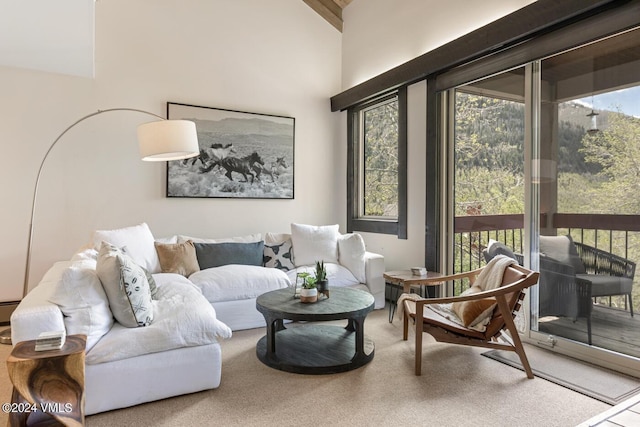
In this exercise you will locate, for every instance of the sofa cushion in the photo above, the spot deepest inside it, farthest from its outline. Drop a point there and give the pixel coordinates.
(219, 254)
(237, 282)
(351, 251)
(605, 285)
(314, 243)
(82, 300)
(85, 254)
(250, 238)
(179, 258)
(182, 318)
(126, 286)
(337, 275)
(138, 240)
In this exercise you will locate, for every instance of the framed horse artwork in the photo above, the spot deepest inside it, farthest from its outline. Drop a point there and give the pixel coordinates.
(242, 155)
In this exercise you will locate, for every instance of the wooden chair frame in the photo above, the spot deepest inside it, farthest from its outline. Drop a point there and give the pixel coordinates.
(509, 300)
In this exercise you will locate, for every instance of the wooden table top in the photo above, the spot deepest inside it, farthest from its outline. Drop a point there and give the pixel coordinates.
(25, 350)
(406, 277)
(344, 303)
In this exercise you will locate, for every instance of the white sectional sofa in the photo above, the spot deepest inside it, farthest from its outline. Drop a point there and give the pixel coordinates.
(192, 309)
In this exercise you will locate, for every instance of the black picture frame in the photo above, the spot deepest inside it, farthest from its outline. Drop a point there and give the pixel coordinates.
(242, 155)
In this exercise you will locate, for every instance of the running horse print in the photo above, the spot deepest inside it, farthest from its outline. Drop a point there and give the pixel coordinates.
(242, 155)
(273, 170)
(244, 166)
(210, 157)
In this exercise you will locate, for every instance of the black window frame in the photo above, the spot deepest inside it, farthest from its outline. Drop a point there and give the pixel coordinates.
(396, 227)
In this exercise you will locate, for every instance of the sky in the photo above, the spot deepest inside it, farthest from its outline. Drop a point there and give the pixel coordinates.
(626, 101)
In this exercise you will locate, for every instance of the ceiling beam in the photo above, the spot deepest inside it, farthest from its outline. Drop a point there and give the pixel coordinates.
(330, 10)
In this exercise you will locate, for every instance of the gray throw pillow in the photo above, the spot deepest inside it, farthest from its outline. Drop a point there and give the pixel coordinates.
(126, 286)
(219, 254)
(497, 248)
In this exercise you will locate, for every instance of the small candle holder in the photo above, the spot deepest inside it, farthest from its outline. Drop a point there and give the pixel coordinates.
(300, 278)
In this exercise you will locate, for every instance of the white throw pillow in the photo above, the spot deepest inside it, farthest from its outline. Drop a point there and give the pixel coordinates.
(139, 242)
(314, 243)
(82, 300)
(126, 285)
(170, 239)
(351, 250)
(276, 238)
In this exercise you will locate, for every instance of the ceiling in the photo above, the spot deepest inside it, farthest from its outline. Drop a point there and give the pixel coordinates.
(331, 10)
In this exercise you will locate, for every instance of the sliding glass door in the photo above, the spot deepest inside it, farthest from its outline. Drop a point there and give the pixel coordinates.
(590, 150)
(544, 159)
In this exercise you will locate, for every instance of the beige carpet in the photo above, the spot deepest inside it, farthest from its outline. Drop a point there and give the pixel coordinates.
(458, 387)
(594, 381)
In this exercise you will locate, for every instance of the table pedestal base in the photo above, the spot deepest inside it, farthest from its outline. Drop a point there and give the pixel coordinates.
(316, 349)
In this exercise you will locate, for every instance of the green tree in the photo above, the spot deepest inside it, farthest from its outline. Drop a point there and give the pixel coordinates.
(489, 156)
(617, 151)
(381, 160)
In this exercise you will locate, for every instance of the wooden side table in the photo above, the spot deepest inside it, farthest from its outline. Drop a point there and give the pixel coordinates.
(47, 382)
(404, 279)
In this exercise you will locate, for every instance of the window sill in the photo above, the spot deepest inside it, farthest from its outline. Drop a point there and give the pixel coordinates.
(377, 226)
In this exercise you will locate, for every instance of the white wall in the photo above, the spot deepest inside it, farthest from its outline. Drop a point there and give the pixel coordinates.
(381, 34)
(276, 57)
(54, 36)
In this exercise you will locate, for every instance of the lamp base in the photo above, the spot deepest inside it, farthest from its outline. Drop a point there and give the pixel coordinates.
(5, 337)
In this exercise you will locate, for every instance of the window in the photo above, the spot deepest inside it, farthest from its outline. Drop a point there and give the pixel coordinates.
(377, 166)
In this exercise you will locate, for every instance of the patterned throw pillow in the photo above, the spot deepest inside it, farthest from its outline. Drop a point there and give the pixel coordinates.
(279, 255)
(126, 286)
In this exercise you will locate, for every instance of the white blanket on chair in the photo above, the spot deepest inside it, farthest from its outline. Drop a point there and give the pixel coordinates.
(491, 276)
(401, 300)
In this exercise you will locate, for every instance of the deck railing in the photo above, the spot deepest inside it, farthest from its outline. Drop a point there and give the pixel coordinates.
(617, 234)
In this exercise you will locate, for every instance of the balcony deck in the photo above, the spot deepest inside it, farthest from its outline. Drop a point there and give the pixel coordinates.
(611, 329)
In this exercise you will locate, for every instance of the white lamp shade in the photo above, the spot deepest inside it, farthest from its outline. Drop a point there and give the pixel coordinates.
(168, 140)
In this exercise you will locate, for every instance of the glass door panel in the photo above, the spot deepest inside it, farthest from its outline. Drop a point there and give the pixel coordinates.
(545, 160)
(589, 168)
(488, 168)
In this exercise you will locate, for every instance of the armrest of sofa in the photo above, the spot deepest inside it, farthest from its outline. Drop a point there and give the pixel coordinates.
(374, 270)
(35, 314)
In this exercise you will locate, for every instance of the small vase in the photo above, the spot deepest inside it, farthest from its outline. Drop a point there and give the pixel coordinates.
(323, 286)
(308, 295)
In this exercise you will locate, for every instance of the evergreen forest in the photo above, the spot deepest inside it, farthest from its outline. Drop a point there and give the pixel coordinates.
(597, 172)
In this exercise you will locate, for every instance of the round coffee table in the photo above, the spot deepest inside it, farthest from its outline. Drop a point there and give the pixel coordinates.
(315, 348)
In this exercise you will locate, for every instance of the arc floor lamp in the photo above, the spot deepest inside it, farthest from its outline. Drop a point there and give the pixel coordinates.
(160, 140)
